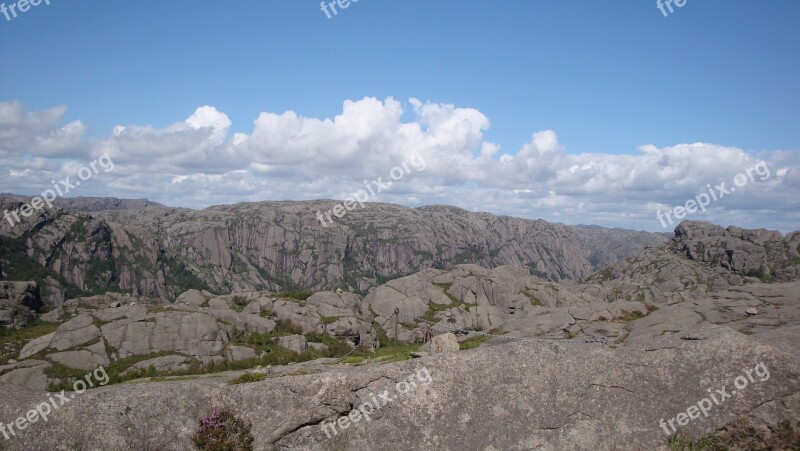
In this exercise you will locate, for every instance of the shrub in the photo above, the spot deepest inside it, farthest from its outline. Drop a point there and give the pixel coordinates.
(248, 377)
(221, 430)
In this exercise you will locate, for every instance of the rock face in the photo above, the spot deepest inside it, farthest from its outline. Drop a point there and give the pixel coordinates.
(760, 253)
(508, 396)
(98, 245)
(17, 302)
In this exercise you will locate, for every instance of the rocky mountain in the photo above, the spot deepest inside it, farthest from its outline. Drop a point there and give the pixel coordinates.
(593, 364)
(91, 246)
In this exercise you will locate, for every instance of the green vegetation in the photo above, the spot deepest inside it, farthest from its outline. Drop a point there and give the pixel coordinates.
(534, 271)
(761, 275)
(239, 303)
(267, 314)
(100, 277)
(221, 430)
(381, 279)
(386, 353)
(631, 316)
(179, 277)
(248, 378)
(328, 319)
(434, 308)
(67, 375)
(77, 231)
(534, 300)
(473, 342)
(32, 330)
(606, 275)
(18, 266)
(298, 295)
(13, 340)
(741, 436)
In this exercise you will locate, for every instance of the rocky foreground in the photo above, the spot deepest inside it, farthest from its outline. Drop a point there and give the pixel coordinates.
(669, 333)
(508, 396)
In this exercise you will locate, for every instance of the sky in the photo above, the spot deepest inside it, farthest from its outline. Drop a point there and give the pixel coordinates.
(578, 112)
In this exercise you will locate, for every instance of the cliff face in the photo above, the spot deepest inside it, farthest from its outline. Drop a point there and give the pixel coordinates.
(152, 250)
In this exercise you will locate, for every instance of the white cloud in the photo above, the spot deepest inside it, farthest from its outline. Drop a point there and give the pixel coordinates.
(197, 162)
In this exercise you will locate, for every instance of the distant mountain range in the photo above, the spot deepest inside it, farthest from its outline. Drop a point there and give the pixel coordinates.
(93, 245)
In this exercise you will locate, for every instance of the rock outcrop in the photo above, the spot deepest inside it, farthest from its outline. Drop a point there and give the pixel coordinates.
(18, 302)
(509, 396)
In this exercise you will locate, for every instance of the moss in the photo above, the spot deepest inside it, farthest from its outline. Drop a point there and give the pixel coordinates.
(248, 378)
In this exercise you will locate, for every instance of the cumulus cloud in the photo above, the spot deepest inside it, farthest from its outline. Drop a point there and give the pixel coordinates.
(197, 162)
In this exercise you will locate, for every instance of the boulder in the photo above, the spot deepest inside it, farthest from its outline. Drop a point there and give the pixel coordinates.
(194, 298)
(444, 343)
(296, 343)
(29, 374)
(238, 353)
(88, 359)
(195, 334)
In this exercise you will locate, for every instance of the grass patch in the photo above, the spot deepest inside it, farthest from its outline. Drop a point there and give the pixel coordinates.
(32, 330)
(239, 303)
(741, 435)
(248, 378)
(13, 340)
(631, 316)
(534, 300)
(267, 314)
(328, 319)
(473, 342)
(300, 295)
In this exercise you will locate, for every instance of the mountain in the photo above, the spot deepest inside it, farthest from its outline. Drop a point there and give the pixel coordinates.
(609, 361)
(93, 245)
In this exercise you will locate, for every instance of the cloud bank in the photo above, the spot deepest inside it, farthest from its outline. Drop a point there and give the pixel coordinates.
(198, 162)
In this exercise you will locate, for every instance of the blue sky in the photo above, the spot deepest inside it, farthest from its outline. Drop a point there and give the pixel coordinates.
(605, 77)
